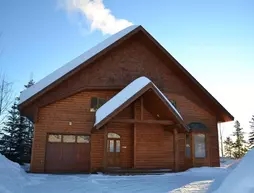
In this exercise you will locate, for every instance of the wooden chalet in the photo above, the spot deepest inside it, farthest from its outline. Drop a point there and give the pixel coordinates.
(124, 104)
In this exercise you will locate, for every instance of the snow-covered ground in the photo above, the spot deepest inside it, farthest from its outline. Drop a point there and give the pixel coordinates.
(227, 162)
(13, 179)
(240, 179)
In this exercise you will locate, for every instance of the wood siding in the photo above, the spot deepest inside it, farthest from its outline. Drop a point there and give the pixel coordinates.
(55, 118)
(154, 148)
(70, 102)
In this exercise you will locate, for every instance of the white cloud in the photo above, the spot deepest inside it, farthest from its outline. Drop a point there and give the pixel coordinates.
(97, 15)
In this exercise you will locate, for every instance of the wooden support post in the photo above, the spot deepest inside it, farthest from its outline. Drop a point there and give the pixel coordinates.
(134, 134)
(192, 150)
(134, 145)
(207, 148)
(105, 157)
(176, 151)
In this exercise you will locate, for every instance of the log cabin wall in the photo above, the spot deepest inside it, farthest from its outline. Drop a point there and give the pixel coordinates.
(115, 70)
(55, 118)
(153, 146)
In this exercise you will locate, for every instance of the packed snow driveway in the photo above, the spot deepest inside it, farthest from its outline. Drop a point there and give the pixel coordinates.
(188, 181)
(13, 179)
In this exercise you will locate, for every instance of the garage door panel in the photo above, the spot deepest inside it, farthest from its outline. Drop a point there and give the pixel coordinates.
(68, 155)
(53, 157)
(83, 156)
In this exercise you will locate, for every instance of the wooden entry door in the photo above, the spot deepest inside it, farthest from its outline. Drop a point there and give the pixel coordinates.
(113, 150)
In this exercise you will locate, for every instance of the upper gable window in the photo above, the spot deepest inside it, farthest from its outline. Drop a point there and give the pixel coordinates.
(96, 103)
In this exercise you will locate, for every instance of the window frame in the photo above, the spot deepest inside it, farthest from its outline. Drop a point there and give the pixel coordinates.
(205, 143)
(116, 136)
(99, 102)
(64, 134)
(190, 145)
(89, 139)
(50, 134)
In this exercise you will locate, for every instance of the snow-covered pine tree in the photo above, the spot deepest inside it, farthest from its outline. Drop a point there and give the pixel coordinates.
(29, 128)
(20, 137)
(8, 138)
(14, 137)
(30, 83)
(240, 145)
(229, 144)
(251, 135)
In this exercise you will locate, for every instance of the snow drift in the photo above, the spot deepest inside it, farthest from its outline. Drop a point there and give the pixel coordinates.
(12, 176)
(241, 178)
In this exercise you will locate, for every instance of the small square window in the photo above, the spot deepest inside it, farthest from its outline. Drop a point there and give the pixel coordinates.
(54, 138)
(83, 139)
(96, 103)
(69, 138)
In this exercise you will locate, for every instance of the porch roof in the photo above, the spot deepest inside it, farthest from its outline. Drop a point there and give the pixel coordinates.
(137, 88)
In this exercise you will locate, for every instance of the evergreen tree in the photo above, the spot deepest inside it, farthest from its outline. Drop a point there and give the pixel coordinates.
(29, 131)
(21, 140)
(240, 145)
(8, 138)
(251, 135)
(17, 134)
(30, 83)
(229, 144)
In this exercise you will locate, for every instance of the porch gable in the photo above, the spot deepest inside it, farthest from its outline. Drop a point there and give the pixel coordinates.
(154, 100)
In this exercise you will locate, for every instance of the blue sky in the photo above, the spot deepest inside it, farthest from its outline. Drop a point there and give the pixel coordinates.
(213, 40)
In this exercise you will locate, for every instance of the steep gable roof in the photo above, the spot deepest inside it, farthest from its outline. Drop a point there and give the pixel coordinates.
(128, 95)
(54, 76)
(72, 67)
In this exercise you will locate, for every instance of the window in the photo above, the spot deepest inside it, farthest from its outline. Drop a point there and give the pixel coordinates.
(187, 146)
(113, 135)
(118, 146)
(54, 138)
(69, 138)
(199, 141)
(83, 139)
(173, 102)
(96, 103)
(197, 126)
(111, 146)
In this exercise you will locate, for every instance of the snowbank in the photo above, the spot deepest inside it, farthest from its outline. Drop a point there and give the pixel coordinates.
(206, 169)
(12, 176)
(241, 178)
(227, 162)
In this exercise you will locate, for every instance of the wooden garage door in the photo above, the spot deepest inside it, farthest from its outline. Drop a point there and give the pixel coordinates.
(67, 153)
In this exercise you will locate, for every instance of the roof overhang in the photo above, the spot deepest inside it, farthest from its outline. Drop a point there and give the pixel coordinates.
(154, 101)
(40, 88)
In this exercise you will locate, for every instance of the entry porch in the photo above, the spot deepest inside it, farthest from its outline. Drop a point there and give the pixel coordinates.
(145, 131)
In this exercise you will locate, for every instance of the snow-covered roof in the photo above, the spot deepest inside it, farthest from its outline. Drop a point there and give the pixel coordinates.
(51, 78)
(124, 95)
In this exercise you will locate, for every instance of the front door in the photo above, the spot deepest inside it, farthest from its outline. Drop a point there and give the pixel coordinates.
(113, 150)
